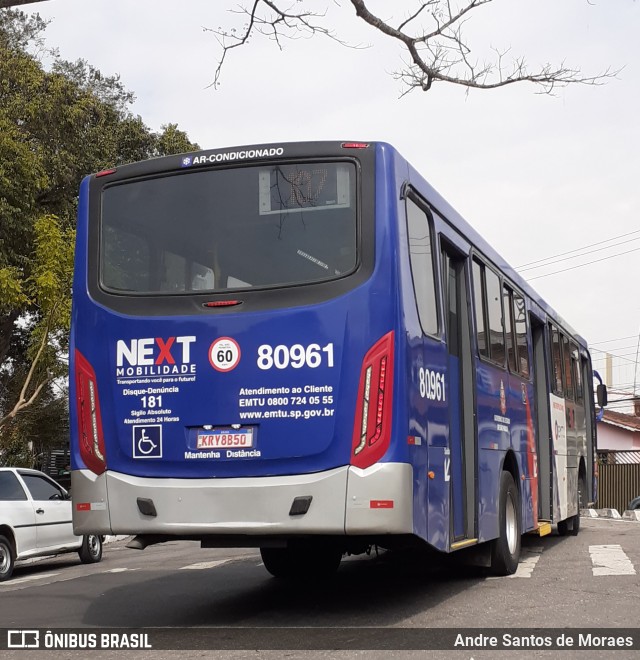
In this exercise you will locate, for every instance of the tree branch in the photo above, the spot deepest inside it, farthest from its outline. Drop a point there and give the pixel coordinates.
(433, 60)
(22, 401)
(436, 45)
(274, 23)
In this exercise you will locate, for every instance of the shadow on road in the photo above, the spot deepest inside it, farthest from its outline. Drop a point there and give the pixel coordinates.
(370, 591)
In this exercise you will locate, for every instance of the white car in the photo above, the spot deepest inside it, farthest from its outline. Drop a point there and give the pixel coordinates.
(35, 520)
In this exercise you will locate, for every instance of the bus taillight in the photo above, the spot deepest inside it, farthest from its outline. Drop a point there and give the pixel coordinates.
(372, 426)
(90, 436)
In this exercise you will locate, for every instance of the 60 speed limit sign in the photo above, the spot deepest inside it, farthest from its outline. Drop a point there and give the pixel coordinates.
(224, 354)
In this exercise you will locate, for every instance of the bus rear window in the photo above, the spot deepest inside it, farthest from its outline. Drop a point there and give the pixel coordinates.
(215, 230)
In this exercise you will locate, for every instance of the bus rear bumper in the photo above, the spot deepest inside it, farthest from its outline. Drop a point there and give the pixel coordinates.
(345, 500)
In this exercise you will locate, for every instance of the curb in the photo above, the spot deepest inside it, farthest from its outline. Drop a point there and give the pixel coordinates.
(588, 513)
(111, 539)
(611, 514)
(608, 513)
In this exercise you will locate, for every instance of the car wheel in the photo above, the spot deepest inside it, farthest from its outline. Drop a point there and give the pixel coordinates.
(91, 550)
(7, 559)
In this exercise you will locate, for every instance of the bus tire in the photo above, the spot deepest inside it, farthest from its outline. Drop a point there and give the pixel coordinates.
(582, 499)
(91, 549)
(505, 550)
(571, 526)
(7, 559)
(308, 562)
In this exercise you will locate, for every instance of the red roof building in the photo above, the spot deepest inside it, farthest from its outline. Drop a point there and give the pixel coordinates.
(619, 432)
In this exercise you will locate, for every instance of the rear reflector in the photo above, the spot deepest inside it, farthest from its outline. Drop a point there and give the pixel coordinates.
(381, 504)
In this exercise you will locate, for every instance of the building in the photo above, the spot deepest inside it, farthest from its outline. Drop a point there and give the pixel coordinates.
(619, 436)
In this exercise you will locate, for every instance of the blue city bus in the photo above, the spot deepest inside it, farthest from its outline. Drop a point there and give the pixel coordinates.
(304, 348)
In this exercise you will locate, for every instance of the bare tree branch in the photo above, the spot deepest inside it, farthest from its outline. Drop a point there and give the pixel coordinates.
(433, 60)
(266, 17)
(437, 48)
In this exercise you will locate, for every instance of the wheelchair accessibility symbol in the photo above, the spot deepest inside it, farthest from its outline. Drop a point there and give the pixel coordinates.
(147, 441)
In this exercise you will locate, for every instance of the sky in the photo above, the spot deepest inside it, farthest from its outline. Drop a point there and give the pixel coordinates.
(536, 175)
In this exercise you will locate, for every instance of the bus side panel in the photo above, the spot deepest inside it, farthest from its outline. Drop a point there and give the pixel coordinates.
(439, 498)
(430, 417)
(427, 435)
(379, 498)
(520, 415)
(79, 266)
(505, 422)
(493, 443)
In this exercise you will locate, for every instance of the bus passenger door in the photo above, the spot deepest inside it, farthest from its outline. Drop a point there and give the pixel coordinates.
(461, 397)
(542, 416)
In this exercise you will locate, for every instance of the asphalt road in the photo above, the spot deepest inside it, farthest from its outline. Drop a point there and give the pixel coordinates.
(590, 581)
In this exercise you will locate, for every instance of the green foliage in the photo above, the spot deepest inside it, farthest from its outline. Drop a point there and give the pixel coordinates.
(172, 141)
(11, 289)
(58, 123)
(50, 281)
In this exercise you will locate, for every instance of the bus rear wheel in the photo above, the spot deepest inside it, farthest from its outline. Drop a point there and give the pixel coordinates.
(302, 561)
(571, 525)
(582, 504)
(505, 550)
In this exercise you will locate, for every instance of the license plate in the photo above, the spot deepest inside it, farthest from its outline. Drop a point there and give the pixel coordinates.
(225, 438)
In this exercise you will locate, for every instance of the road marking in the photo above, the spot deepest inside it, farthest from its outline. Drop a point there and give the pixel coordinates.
(28, 578)
(119, 570)
(610, 560)
(528, 560)
(205, 564)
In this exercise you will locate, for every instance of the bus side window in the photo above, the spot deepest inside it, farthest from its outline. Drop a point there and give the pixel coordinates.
(568, 369)
(422, 267)
(507, 295)
(556, 358)
(522, 341)
(494, 309)
(577, 376)
(478, 302)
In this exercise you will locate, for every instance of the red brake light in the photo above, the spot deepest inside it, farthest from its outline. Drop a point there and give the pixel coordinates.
(355, 145)
(222, 303)
(372, 425)
(107, 172)
(90, 436)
